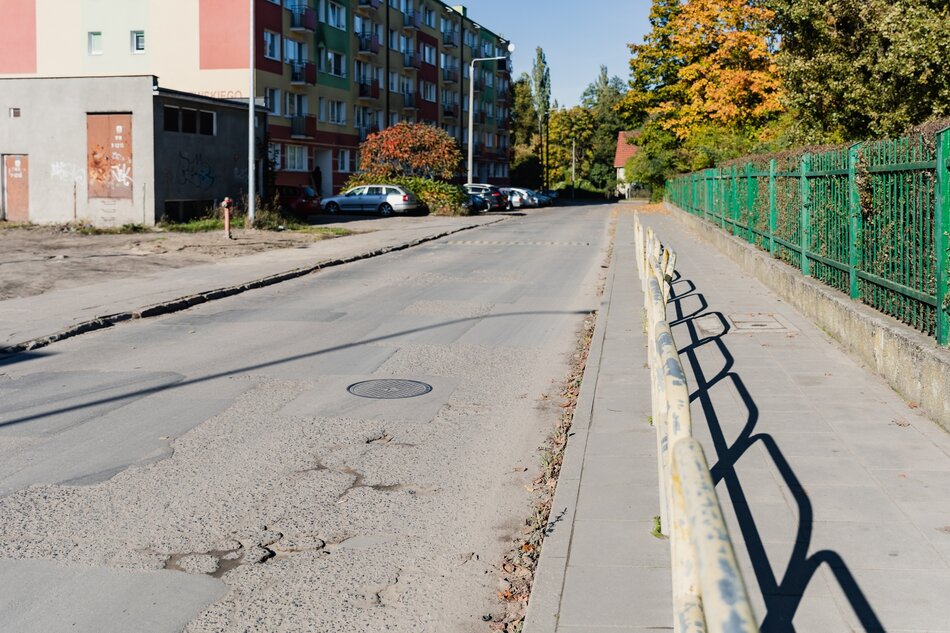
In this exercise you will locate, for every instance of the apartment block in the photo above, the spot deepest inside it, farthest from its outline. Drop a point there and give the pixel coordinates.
(327, 72)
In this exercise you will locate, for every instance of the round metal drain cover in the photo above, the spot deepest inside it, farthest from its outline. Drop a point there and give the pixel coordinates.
(389, 389)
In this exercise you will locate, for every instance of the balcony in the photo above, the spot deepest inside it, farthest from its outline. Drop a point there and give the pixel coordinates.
(411, 20)
(450, 110)
(479, 83)
(369, 89)
(367, 7)
(450, 74)
(303, 19)
(368, 44)
(411, 61)
(450, 39)
(303, 126)
(366, 130)
(479, 118)
(409, 101)
(303, 73)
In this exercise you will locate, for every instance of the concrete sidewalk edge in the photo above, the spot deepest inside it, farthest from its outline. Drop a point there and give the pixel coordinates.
(185, 302)
(545, 601)
(911, 363)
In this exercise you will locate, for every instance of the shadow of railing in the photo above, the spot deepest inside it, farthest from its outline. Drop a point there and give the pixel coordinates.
(783, 596)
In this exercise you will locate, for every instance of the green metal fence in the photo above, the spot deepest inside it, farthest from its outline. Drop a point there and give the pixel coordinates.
(872, 220)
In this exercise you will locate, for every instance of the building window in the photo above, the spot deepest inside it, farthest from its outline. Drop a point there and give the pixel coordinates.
(428, 54)
(95, 42)
(334, 63)
(188, 121)
(295, 51)
(322, 108)
(138, 42)
(272, 45)
(206, 123)
(428, 91)
(14, 113)
(296, 158)
(272, 100)
(336, 16)
(338, 112)
(429, 17)
(346, 160)
(295, 104)
(273, 155)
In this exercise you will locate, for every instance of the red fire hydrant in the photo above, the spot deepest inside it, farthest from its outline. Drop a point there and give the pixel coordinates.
(226, 204)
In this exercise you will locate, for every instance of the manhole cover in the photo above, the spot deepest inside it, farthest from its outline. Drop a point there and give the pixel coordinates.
(761, 321)
(389, 389)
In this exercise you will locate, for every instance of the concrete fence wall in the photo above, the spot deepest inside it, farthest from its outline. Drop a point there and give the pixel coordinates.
(911, 362)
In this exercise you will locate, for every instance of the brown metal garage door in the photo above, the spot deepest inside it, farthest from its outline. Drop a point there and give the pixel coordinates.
(16, 187)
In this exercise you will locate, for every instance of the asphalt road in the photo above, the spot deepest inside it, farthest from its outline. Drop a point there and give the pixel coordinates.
(210, 471)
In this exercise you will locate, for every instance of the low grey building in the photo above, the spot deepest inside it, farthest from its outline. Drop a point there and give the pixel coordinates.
(116, 150)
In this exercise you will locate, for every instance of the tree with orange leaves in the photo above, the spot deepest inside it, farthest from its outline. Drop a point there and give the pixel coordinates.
(410, 150)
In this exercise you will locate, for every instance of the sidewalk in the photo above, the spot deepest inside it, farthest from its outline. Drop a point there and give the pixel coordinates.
(835, 490)
(35, 321)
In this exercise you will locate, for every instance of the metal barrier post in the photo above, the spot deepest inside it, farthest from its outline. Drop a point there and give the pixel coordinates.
(804, 228)
(855, 221)
(773, 209)
(941, 238)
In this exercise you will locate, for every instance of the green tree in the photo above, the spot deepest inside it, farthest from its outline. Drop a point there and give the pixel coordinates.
(541, 92)
(602, 98)
(704, 86)
(859, 68)
(524, 117)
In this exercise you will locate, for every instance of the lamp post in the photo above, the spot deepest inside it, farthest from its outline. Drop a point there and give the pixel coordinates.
(471, 105)
(250, 124)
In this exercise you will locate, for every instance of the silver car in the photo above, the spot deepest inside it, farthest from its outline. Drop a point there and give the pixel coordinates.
(384, 199)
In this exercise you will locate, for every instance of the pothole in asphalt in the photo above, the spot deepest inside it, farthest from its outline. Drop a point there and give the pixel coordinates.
(389, 389)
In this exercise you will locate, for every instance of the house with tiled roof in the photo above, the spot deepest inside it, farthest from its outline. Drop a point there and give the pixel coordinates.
(626, 149)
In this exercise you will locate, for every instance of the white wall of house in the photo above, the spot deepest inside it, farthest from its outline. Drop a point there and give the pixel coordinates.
(51, 129)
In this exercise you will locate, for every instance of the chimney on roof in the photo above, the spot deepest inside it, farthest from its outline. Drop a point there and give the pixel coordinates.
(459, 8)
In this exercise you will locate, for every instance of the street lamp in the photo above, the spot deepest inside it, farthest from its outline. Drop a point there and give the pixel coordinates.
(250, 124)
(471, 105)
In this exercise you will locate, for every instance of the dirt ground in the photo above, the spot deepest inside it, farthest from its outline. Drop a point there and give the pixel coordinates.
(37, 259)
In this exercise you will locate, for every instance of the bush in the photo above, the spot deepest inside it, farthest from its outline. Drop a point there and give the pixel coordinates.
(440, 198)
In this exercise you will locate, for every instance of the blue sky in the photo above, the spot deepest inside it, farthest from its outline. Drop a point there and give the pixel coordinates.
(577, 36)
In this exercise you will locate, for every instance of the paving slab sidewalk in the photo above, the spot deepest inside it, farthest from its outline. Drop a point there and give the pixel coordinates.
(835, 489)
(32, 322)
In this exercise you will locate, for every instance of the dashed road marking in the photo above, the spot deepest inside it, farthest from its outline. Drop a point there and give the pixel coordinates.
(502, 243)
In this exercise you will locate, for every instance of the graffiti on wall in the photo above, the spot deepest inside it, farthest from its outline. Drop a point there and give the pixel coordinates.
(68, 172)
(193, 170)
(109, 155)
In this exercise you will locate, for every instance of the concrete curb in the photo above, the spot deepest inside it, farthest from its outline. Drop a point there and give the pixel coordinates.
(911, 363)
(544, 605)
(183, 303)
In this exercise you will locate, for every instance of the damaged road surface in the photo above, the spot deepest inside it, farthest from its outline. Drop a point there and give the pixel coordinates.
(234, 468)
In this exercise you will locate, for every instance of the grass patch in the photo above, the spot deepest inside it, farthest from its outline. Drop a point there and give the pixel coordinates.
(200, 225)
(125, 229)
(657, 531)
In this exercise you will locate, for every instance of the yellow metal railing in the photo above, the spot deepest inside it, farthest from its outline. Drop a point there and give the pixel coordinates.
(709, 594)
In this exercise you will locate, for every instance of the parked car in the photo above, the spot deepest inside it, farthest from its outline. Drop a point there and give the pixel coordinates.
(384, 199)
(519, 198)
(497, 201)
(544, 199)
(475, 203)
(298, 200)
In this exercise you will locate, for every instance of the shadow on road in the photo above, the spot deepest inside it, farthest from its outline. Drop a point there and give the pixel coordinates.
(783, 596)
(141, 393)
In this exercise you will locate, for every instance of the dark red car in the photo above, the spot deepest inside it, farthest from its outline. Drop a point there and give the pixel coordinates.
(298, 200)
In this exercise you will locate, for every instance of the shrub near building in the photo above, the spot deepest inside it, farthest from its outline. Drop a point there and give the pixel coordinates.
(417, 156)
